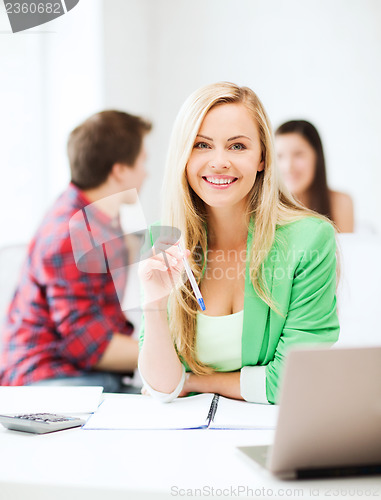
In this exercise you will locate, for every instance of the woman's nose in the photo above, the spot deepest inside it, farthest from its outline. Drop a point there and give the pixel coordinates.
(220, 160)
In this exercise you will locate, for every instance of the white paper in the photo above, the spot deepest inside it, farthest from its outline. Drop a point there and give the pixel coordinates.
(132, 411)
(234, 414)
(44, 399)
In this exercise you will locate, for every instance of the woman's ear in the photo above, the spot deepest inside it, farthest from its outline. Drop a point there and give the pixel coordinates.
(261, 166)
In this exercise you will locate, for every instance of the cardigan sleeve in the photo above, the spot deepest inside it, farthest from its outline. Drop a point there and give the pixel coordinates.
(311, 317)
(253, 384)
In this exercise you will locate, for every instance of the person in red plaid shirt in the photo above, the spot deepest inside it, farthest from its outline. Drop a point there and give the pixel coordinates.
(65, 325)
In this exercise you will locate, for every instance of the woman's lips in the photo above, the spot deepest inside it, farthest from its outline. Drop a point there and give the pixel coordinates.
(220, 181)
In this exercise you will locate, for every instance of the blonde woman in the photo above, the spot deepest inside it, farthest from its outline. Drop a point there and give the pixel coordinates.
(265, 265)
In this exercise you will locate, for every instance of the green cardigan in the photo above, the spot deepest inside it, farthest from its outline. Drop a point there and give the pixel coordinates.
(300, 272)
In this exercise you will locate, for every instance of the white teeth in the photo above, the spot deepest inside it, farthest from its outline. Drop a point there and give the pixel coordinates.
(219, 181)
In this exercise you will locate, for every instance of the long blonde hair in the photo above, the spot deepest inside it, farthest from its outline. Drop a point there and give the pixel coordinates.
(269, 203)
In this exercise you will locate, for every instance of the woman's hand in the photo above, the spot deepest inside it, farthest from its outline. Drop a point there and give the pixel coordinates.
(223, 383)
(160, 273)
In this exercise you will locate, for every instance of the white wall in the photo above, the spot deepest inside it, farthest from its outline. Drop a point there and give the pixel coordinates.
(73, 68)
(22, 183)
(51, 79)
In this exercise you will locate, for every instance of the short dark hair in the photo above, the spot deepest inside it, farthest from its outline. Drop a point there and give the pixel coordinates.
(320, 201)
(102, 140)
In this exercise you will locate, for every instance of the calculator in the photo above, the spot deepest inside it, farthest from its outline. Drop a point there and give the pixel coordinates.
(40, 423)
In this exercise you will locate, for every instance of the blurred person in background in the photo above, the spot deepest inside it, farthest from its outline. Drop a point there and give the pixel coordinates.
(65, 325)
(302, 165)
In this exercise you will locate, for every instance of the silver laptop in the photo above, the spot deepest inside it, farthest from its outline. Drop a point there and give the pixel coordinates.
(329, 420)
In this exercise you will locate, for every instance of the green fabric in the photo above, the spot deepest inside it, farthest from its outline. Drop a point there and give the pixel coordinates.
(300, 273)
(219, 341)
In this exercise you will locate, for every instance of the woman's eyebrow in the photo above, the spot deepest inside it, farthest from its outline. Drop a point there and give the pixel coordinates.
(204, 137)
(238, 137)
(230, 139)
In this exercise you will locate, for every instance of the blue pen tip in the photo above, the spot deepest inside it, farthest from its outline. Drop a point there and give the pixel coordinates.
(202, 305)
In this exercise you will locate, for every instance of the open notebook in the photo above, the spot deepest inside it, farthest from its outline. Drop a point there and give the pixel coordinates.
(204, 411)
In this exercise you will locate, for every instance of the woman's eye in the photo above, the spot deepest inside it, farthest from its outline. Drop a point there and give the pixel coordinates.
(238, 147)
(201, 145)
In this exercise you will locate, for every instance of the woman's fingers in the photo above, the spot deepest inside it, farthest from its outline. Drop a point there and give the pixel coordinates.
(169, 248)
(161, 262)
(172, 251)
(170, 255)
(154, 263)
(165, 258)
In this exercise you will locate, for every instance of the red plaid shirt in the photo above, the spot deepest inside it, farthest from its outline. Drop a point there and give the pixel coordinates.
(63, 313)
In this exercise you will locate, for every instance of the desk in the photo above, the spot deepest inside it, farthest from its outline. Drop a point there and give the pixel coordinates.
(115, 465)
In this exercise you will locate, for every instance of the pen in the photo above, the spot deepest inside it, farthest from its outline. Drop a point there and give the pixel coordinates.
(213, 409)
(192, 280)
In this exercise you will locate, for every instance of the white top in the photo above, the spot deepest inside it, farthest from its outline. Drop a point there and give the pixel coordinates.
(219, 341)
(219, 345)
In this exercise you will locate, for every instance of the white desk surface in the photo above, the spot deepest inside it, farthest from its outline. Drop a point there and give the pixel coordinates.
(113, 465)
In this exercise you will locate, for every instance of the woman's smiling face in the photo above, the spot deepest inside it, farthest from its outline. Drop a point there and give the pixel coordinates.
(226, 156)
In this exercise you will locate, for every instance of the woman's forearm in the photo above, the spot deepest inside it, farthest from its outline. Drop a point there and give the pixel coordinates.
(226, 384)
(159, 363)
